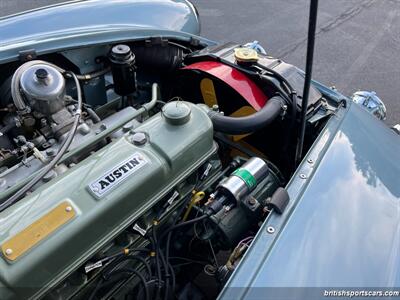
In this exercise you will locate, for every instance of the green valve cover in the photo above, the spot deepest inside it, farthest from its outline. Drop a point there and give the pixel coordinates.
(65, 221)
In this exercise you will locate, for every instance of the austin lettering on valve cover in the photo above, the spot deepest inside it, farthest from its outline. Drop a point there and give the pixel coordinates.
(116, 175)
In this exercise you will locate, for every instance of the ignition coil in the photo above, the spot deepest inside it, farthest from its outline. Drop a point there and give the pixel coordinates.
(238, 185)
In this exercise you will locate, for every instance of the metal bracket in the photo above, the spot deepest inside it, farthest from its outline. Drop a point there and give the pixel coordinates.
(27, 55)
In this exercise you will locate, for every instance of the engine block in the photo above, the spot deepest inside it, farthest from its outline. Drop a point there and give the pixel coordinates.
(66, 222)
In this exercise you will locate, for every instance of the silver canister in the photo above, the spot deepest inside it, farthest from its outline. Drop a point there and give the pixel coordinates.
(44, 88)
(244, 179)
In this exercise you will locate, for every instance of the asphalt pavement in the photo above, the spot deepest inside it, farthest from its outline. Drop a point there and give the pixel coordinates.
(357, 46)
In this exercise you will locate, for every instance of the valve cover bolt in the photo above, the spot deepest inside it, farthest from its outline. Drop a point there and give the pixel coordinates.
(139, 138)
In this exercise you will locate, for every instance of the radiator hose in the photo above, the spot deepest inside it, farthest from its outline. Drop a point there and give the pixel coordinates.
(241, 125)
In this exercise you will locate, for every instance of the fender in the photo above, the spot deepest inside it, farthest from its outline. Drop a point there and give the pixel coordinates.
(78, 23)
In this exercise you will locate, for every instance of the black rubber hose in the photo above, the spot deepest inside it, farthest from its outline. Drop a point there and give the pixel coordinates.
(248, 124)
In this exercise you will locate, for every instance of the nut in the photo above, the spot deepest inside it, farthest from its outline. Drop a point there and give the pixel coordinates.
(139, 138)
(49, 176)
(128, 126)
(270, 229)
(252, 201)
(50, 152)
(84, 129)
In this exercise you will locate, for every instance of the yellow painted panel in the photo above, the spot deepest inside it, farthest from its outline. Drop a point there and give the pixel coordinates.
(208, 92)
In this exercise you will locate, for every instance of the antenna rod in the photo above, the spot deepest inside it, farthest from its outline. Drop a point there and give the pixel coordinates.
(312, 24)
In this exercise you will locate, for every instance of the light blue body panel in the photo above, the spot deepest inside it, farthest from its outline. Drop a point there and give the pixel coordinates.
(85, 23)
(342, 226)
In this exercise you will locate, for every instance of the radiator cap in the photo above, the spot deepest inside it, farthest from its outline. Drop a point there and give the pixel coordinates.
(245, 55)
(176, 112)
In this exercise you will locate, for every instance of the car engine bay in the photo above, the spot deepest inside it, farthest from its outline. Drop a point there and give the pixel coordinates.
(143, 169)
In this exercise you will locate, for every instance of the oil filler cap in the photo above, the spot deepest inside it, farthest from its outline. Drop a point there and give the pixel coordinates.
(176, 112)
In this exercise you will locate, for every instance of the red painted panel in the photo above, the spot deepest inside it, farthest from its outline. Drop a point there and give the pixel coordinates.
(234, 78)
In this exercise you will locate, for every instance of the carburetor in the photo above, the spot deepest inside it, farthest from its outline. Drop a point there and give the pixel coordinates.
(44, 88)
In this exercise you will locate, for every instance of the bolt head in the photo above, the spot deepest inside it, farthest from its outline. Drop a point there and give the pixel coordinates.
(252, 201)
(139, 138)
(68, 209)
(127, 127)
(41, 73)
(51, 152)
(49, 176)
(303, 176)
(9, 251)
(84, 129)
